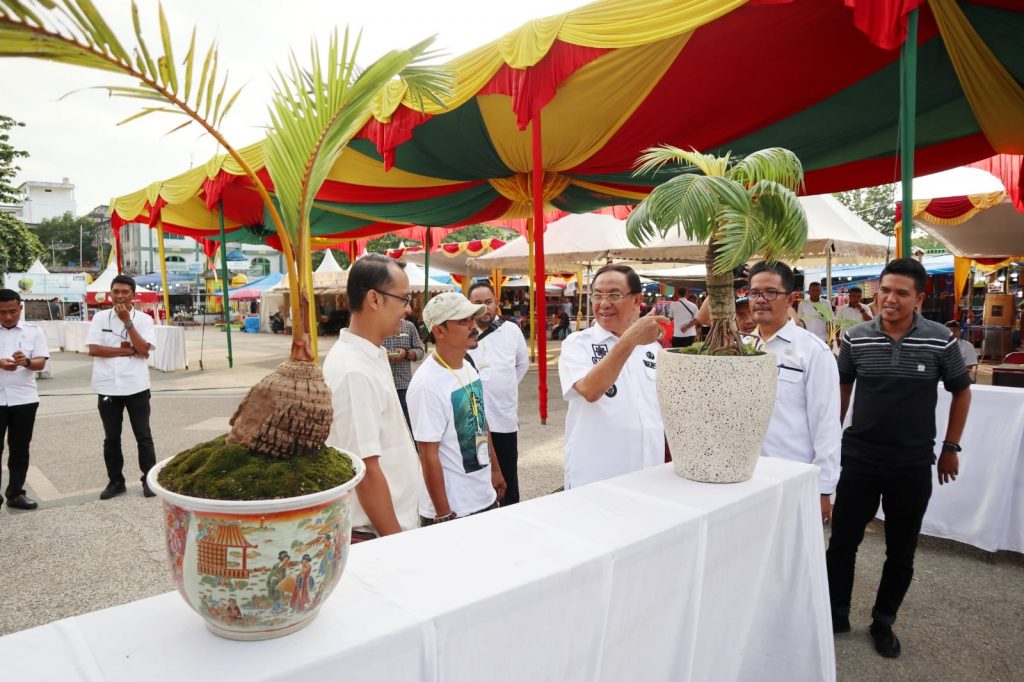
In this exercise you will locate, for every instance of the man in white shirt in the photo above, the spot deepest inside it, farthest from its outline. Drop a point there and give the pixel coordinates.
(855, 310)
(368, 417)
(805, 420)
(120, 340)
(812, 318)
(607, 372)
(23, 352)
(461, 475)
(684, 320)
(501, 360)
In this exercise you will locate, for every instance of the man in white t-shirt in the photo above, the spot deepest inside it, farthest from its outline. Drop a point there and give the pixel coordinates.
(368, 417)
(812, 318)
(501, 360)
(120, 340)
(607, 372)
(855, 310)
(684, 320)
(461, 475)
(23, 352)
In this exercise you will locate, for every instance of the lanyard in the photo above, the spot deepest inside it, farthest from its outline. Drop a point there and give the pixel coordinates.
(469, 395)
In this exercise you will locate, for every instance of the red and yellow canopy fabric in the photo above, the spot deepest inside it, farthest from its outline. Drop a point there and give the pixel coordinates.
(819, 77)
(473, 247)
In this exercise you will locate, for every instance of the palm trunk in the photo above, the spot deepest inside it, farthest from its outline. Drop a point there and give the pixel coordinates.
(723, 337)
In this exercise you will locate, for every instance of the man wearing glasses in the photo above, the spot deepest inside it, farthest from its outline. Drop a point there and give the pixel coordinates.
(119, 341)
(607, 373)
(805, 420)
(368, 417)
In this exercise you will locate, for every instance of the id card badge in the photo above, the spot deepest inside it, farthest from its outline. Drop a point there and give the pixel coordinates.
(485, 373)
(483, 454)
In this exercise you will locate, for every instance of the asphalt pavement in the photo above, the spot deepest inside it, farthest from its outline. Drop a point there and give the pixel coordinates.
(963, 618)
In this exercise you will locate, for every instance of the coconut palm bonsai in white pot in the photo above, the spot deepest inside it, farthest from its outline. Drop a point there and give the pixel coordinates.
(716, 397)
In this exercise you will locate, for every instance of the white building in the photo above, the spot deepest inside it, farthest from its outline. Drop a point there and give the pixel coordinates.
(141, 253)
(43, 200)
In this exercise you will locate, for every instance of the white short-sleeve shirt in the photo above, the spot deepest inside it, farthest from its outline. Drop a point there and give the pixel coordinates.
(813, 320)
(682, 312)
(369, 422)
(441, 405)
(125, 375)
(19, 387)
(622, 431)
(848, 312)
(501, 361)
(804, 425)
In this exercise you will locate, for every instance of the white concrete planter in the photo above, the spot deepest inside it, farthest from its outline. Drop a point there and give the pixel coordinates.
(716, 412)
(257, 569)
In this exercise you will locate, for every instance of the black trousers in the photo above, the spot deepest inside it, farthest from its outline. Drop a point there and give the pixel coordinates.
(112, 408)
(405, 406)
(16, 423)
(904, 496)
(683, 341)
(506, 449)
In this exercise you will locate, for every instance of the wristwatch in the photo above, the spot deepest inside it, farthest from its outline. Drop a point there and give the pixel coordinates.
(129, 324)
(949, 446)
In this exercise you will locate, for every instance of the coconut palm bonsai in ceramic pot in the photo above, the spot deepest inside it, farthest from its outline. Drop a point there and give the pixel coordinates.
(257, 521)
(716, 397)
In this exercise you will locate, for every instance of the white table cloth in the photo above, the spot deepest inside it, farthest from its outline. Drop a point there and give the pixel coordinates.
(170, 349)
(984, 507)
(53, 330)
(644, 577)
(75, 334)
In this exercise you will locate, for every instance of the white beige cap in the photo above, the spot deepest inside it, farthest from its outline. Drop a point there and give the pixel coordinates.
(451, 305)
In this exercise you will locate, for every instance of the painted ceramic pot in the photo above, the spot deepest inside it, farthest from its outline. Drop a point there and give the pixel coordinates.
(257, 569)
(716, 412)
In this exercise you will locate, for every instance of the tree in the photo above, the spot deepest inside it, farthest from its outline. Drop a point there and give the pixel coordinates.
(875, 205)
(8, 154)
(736, 207)
(471, 232)
(18, 246)
(70, 230)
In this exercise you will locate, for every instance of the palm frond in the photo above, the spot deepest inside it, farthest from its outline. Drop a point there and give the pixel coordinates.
(775, 163)
(74, 32)
(654, 158)
(785, 223)
(690, 203)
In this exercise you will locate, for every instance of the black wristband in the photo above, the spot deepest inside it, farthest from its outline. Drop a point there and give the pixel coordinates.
(951, 446)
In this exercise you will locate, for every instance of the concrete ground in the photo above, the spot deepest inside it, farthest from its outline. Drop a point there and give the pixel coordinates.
(962, 619)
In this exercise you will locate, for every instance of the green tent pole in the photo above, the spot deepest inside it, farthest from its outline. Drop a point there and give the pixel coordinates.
(426, 266)
(224, 280)
(908, 117)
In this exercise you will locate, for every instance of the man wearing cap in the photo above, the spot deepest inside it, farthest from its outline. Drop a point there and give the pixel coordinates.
(461, 474)
(804, 425)
(23, 352)
(607, 372)
(501, 360)
(368, 416)
(120, 340)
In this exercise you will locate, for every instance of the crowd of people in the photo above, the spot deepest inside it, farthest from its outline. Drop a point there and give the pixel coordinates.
(441, 442)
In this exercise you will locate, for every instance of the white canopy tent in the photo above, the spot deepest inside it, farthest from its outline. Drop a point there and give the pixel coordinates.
(417, 279)
(995, 232)
(37, 268)
(328, 264)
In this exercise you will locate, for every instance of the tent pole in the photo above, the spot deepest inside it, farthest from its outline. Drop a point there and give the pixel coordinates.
(117, 250)
(538, 235)
(908, 117)
(224, 280)
(426, 266)
(532, 298)
(579, 298)
(828, 274)
(163, 268)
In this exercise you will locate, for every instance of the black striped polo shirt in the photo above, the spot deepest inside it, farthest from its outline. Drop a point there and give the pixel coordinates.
(893, 421)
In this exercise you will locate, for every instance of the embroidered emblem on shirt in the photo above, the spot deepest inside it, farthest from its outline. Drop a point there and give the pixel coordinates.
(611, 391)
(648, 363)
(920, 368)
(600, 349)
(650, 355)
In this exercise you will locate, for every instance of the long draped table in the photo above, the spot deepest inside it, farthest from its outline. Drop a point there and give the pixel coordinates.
(169, 355)
(984, 507)
(644, 577)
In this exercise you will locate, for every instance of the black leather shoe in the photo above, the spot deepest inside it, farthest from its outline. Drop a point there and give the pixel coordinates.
(146, 492)
(840, 624)
(886, 642)
(113, 489)
(22, 502)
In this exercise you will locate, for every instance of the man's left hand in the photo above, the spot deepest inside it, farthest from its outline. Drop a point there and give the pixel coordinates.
(826, 509)
(498, 482)
(949, 467)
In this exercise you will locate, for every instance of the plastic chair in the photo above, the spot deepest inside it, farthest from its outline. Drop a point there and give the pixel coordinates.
(1015, 358)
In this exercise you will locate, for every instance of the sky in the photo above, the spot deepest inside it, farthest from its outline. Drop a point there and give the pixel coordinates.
(77, 137)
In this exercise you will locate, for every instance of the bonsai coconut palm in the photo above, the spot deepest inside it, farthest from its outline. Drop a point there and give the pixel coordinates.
(276, 445)
(738, 207)
(716, 409)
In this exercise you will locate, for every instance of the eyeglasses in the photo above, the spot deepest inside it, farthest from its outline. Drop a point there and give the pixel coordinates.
(407, 299)
(613, 297)
(767, 294)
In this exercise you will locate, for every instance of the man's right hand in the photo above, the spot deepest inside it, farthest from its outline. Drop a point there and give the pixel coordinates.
(8, 365)
(646, 330)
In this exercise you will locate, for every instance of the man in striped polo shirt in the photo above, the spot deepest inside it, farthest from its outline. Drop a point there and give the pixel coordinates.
(896, 361)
